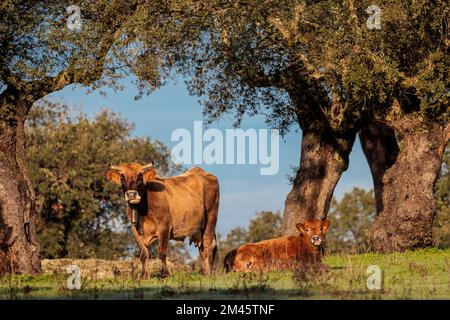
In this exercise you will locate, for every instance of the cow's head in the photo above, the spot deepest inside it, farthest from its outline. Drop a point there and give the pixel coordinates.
(132, 177)
(314, 231)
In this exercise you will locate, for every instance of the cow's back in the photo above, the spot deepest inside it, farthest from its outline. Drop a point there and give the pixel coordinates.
(189, 195)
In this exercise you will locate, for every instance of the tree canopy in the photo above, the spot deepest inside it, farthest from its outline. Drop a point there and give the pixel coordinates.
(303, 61)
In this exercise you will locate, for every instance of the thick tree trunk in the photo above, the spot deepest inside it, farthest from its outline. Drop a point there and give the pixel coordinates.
(408, 203)
(380, 147)
(19, 249)
(324, 158)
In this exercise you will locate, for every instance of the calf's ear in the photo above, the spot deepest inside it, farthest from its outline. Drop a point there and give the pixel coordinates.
(301, 228)
(325, 225)
(113, 175)
(149, 175)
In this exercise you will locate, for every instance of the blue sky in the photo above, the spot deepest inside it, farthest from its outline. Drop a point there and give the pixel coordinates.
(243, 190)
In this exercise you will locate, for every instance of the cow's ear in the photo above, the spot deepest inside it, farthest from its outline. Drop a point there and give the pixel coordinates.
(113, 175)
(325, 225)
(301, 228)
(149, 175)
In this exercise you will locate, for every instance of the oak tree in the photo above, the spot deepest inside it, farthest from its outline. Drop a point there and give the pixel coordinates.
(319, 65)
(44, 47)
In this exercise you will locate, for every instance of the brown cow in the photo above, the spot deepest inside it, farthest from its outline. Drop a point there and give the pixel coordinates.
(170, 208)
(280, 253)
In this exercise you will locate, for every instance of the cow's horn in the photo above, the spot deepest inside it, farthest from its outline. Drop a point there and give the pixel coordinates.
(147, 167)
(115, 168)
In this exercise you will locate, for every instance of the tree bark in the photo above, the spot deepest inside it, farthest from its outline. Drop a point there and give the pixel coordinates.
(324, 157)
(19, 248)
(407, 201)
(380, 147)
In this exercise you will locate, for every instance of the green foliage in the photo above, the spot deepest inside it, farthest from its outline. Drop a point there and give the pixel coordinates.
(80, 213)
(235, 238)
(295, 61)
(405, 58)
(266, 225)
(40, 54)
(305, 62)
(351, 219)
(37, 42)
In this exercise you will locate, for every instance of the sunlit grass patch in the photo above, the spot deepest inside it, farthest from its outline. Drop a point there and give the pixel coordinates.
(422, 274)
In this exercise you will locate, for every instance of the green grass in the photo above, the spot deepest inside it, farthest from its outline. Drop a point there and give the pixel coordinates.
(423, 274)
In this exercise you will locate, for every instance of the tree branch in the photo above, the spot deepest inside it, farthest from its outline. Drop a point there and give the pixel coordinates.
(71, 74)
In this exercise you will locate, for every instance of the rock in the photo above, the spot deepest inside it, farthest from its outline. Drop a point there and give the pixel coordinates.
(104, 268)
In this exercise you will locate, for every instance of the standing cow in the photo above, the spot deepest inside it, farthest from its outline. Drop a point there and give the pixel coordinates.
(170, 208)
(281, 253)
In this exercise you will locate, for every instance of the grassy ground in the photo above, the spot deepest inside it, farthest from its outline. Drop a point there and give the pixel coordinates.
(423, 274)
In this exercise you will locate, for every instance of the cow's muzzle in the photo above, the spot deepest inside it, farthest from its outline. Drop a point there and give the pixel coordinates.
(316, 240)
(132, 197)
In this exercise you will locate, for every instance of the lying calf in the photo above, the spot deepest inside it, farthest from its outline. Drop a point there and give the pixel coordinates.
(280, 253)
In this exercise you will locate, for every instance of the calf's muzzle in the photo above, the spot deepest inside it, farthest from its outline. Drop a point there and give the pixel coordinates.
(316, 240)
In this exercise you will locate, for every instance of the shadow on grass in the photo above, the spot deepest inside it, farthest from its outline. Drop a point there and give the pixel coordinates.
(185, 286)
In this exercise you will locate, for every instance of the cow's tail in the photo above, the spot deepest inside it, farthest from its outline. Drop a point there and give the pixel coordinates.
(228, 262)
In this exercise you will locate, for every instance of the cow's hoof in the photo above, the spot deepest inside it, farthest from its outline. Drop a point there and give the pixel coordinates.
(206, 273)
(164, 274)
(144, 276)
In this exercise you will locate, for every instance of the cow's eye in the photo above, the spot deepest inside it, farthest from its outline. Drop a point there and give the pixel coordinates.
(307, 230)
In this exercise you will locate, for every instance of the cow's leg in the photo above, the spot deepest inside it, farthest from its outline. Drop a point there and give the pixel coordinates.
(144, 260)
(144, 255)
(209, 243)
(208, 253)
(163, 243)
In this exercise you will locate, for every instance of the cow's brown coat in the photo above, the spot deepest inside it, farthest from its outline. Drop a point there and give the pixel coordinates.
(179, 207)
(279, 253)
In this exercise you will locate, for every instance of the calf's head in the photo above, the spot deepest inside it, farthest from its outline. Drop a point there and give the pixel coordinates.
(314, 231)
(132, 177)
